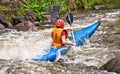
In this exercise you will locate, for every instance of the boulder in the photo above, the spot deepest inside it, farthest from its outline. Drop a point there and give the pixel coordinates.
(112, 65)
(5, 22)
(98, 7)
(26, 26)
(1, 26)
(52, 13)
(20, 19)
(17, 19)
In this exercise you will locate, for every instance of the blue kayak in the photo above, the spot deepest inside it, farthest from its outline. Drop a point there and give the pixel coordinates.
(80, 35)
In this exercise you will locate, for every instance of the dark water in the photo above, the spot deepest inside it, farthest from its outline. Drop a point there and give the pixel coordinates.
(16, 48)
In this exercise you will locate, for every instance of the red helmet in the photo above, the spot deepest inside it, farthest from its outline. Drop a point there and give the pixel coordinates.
(59, 23)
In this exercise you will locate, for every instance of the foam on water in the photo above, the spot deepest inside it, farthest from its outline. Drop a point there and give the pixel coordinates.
(24, 45)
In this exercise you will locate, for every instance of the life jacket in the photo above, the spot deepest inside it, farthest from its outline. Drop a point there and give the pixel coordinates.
(56, 35)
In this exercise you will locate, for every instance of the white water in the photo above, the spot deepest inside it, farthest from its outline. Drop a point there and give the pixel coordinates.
(25, 45)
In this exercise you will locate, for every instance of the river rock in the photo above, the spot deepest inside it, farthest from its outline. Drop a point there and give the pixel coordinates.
(17, 19)
(27, 25)
(113, 65)
(52, 13)
(5, 22)
(1, 26)
(20, 19)
(97, 7)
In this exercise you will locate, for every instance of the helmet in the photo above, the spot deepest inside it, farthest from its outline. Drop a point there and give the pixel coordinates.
(59, 23)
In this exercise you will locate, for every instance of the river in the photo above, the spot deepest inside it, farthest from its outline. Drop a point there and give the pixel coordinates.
(17, 48)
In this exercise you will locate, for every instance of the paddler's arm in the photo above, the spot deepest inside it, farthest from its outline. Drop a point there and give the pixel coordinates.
(66, 42)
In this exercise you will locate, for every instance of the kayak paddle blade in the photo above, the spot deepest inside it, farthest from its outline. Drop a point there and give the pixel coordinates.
(69, 18)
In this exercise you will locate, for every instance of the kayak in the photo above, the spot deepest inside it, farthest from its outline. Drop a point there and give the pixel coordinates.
(80, 35)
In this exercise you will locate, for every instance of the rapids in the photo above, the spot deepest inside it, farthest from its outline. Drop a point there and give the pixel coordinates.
(17, 48)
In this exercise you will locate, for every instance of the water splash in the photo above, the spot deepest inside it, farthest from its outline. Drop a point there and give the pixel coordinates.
(24, 45)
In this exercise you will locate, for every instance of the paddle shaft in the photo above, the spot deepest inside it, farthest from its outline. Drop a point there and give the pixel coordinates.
(73, 36)
(69, 19)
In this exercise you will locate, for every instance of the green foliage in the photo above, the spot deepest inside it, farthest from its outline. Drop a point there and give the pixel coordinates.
(118, 22)
(34, 6)
(99, 1)
(64, 6)
(10, 11)
(40, 6)
(88, 4)
(114, 3)
(79, 4)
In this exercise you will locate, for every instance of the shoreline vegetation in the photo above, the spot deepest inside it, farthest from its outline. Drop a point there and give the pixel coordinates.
(38, 8)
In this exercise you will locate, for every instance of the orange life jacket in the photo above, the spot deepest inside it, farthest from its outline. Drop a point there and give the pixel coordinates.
(56, 36)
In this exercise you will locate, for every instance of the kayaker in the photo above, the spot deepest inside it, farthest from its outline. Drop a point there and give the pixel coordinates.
(59, 34)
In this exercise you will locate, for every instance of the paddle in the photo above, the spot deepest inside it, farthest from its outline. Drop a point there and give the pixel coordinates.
(69, 19)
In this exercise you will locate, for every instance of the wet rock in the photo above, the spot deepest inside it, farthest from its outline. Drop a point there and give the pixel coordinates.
(17, 19)
(113, 65)
(97, 7)
(28, 17)
(53, 13)
(54, 10)
(5, 22)
(1, 26)
(26, 25)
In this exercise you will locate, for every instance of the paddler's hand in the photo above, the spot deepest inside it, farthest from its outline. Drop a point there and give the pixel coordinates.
(74, 44)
